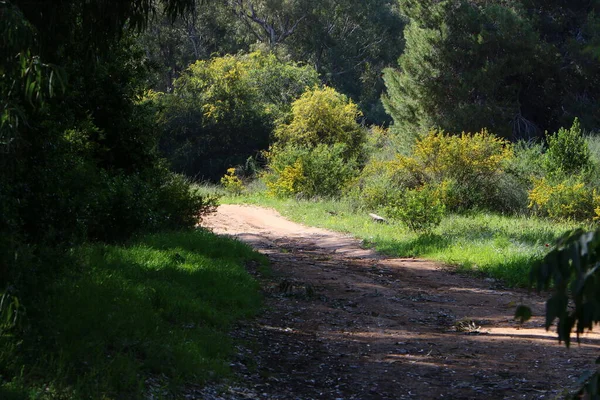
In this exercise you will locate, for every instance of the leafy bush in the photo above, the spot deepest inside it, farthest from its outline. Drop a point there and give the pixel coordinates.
(528, 161)
(287, 181)
(571, 269)
(146, 202)
(278, 83)
(568, 152)
(567, 186)
(224, 110)
(384, 144)
(471, 164)
(593, 143)
(472, 168)
(319, 171)
(571, 198)
(319, 150)
(323, 116)
(232, 183)
(421, 209)
(373, 188)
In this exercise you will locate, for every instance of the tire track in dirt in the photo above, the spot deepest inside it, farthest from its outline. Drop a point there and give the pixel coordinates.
(343, 322)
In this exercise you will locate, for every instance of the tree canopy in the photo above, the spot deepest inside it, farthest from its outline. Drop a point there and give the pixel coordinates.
(518, 67)
(348, 43)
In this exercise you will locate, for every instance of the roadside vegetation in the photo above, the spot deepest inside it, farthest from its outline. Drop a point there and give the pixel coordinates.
(472, 201)
(490, 245)
(111, 111)
(131, 320)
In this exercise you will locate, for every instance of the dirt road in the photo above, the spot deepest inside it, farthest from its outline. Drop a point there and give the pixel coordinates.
(343, 322)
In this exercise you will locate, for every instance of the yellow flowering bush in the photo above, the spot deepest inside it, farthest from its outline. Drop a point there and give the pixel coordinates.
(470, 166)
(323, 116)
(421, 209)
(467, 171)
(460, 157)
(319, 149)
(232, 183)
(568, 199)
(287, 181)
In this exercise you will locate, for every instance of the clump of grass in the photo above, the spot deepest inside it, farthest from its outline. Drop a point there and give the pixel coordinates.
(160, 306)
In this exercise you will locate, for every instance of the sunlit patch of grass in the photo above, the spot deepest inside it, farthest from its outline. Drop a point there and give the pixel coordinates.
(503, 247)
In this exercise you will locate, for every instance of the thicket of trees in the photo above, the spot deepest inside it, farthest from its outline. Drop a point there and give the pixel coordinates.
(78, 151)
(223, 111)
(348, 43)
(82, 137)
(516, 67)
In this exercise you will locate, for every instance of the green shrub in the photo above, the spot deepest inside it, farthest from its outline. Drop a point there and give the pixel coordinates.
(384, 144)
(145, 202)
(327, 171)
(528, 161)
(593, 143)
(568, 152)
(308, 172)
(473, 168)
(374, 187)
(232, 183)
(570, 199)
(323, 116)
(567, 186)
(421, 209)
(471, 165)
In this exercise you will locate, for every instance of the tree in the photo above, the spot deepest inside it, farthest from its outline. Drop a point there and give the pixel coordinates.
(467, 66)
(517, 67)
(210, 29)
(571, 30)
(319, 149)
(323, 116)
(348, 43)
(223, 111)
(73, 135)
(271, 22)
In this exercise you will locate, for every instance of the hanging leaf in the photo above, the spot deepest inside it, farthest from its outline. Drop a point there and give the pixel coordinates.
(572, 269)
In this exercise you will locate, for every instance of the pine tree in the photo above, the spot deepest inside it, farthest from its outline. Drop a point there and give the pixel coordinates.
(466, 67)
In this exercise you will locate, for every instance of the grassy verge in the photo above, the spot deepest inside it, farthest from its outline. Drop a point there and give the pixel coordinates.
(503, 247)
(158, 307)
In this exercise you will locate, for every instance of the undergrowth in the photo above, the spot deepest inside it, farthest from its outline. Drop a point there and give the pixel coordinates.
(157, 308)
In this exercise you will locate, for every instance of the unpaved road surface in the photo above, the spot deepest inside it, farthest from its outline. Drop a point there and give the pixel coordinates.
(342, 322)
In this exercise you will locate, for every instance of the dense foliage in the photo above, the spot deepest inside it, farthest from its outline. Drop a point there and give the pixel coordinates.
(323, 116)
(347, 42)
(319, 150)
(516, 67)
(77, 153)
(567, 188)
(93, 95)
(443, 172)
(571, 270)
(223, 111)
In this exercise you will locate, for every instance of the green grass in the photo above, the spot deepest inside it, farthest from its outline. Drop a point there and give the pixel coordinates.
(503, 247)
(160, 306)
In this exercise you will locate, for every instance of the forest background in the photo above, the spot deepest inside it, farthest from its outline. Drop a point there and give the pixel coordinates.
(109, 110)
